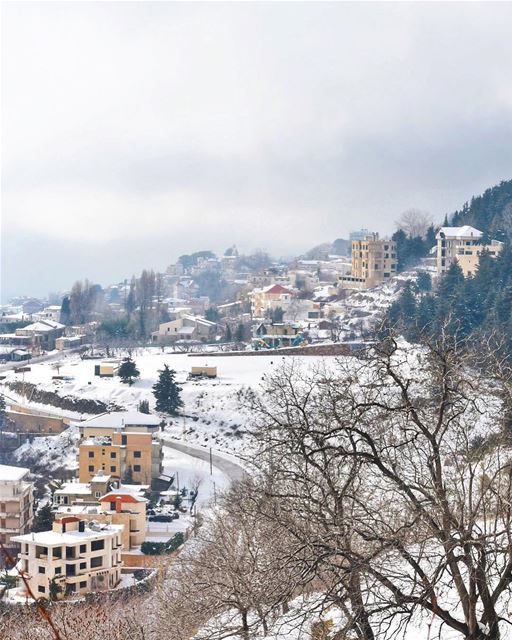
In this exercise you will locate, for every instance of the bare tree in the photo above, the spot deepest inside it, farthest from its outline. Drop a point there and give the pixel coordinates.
(232, 579)
(414, 222)
(398, 463)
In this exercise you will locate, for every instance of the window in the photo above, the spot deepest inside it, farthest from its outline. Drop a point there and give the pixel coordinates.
(96, 562)
(113, 454)
(83, 584)
(58, 570)
(41, 589)
(97, 494)
(113, 469)
(123, 439)
(137, 454)
(136, 467)
(91, 454)
(83, 565)
(42, 570)
(91, 468)
(83, 548)
(96, 545)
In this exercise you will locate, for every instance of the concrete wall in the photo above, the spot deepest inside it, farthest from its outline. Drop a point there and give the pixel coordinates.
(32, 423)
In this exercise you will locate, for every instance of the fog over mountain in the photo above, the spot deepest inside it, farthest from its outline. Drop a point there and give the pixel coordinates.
(135, 132)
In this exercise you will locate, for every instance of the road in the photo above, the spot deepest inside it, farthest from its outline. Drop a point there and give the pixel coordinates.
(235, 472)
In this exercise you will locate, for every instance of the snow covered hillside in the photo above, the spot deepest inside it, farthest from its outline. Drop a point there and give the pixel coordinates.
(214, 410)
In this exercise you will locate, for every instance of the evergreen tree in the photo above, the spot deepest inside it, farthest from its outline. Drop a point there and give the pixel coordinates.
(43, 520)
(424, 281)
(128, 371)
(212, 314)
(167, 393)
(240, 332)
(144, 406)
(131, 302)
(128, 475)
(407, 302)
(65, 311)
(54, 589)
(228, 336)
(277, 314)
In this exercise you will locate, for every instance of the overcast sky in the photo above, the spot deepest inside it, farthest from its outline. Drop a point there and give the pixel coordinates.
(135, 132)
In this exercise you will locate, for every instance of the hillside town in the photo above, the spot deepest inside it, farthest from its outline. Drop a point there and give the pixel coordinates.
(256, 320)
(103, 516)
(307, 301)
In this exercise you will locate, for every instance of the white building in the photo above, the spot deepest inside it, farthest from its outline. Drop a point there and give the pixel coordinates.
(452, 240)
(75, 558)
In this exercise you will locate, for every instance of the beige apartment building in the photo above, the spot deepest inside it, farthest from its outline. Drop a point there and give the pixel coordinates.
(130, 457)
(468, 257)
(122, 445)
(74, 558)
(16, 505)
(374, 261)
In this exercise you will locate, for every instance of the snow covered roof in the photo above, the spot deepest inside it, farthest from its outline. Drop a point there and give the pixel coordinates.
(119, 419)
(54, 538)
(43, 325)
(199, 320)
(186, 330)
(459, 232)
(12, 474)
(74, 488)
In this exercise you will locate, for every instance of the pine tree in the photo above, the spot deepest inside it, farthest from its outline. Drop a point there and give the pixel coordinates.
(167, 392)
(228, 336)
(144, 406)
(128, 371)
(424, 281)
(43, 520)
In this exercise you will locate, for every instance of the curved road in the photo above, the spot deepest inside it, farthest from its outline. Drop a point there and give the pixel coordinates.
(235, 472)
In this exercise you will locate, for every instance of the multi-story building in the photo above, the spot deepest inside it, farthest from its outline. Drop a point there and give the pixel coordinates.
(121, 445)
(464, 246)
(83, 493)
(74, 558)
(119, 506)
(16, 505)
(374, 261)
(269, 299)
(450, 241)
(468, 257)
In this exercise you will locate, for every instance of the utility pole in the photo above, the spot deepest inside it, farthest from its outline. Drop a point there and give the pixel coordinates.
(211, 462)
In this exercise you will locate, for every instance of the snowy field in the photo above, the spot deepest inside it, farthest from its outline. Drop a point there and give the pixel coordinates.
(215, 413)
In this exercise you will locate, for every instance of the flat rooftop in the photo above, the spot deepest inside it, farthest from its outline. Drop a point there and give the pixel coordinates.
(12, 474)
(119, 419)
(54, 538)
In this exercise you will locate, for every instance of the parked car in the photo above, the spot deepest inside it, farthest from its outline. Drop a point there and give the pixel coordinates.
(161, 518)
